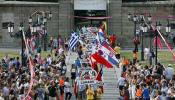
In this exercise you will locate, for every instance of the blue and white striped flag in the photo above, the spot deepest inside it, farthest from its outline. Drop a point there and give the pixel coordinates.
(73, 41)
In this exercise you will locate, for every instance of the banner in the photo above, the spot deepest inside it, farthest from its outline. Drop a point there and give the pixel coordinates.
(90, 4)
(107, 17)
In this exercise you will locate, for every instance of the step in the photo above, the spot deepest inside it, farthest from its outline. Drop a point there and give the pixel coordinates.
(111, 87)
(109, 77)
(110, 91)
(109, 97)
(109, 81)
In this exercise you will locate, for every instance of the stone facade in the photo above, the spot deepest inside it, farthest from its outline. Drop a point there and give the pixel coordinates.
(17, 12)
(63, 16)
(158, 10)
(66, 19)
(66, 13)
(114, 11)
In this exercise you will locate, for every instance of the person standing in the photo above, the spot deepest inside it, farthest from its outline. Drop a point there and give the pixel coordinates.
(61, 84)
(5, 92)
(17, 64)
(169, 72)
(138, 92)
(67, 89)
(73, 74)
(121, 83)
(51, 44)
(90, 93)
(80, 52)
(52, 91)
(117, 51)
(146, 93)
(135, 56)
(126, 93)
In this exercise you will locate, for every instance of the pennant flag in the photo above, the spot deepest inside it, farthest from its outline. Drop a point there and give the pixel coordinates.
(73, 41)
(99, 76)
(100, 59)
(159, 43)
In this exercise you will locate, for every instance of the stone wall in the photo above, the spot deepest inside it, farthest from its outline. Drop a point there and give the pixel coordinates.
(17, 12)
(158, 11)
(66, 19)
(114, 11)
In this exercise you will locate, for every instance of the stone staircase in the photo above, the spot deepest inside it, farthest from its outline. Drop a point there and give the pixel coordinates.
(111, 92)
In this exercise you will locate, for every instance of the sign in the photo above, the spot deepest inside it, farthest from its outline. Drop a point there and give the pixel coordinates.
(90, 4)
(87, 73)
(92, 29)
(87, 82)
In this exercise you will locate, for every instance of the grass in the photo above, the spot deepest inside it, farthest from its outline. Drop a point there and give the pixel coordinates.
(17, 54)
(164, 57)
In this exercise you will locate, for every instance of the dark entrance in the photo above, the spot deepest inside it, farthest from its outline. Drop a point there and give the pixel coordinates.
(83, 20)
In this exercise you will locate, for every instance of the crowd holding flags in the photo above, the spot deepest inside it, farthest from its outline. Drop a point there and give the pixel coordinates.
(104, 53)
(101, 52)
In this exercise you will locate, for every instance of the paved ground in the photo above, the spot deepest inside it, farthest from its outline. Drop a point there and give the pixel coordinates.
(110, 77)
(69, 61)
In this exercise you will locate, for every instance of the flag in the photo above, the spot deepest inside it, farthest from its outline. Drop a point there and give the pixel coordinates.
(73, 41)
(99, 75)
(159, 43)
(92, 62)
(100, 59)
(100, 37)
(106, 45)
(108, 54)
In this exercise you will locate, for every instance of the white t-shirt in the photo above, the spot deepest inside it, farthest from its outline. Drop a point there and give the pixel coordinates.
(67, 87)
(169, 72)
(121, 81)
(60, 51)
(49, 60)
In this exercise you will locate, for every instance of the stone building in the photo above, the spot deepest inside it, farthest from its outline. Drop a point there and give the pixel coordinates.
(64, 12)
(17, 12)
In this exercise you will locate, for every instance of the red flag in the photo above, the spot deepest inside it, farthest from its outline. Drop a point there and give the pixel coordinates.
(101, 60)
(159, 43)
(93, 62)
(100, 75)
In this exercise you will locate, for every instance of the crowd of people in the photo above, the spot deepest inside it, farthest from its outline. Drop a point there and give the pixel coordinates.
(143, 82)
(50, 80)
(51, 76)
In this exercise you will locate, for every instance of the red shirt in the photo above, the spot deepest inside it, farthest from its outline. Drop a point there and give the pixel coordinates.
(113, 39)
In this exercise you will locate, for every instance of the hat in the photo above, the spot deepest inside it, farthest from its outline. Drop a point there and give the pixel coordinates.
(169, 65)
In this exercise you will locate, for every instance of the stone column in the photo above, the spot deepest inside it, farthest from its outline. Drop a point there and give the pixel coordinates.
(114, 11)
(65, 17)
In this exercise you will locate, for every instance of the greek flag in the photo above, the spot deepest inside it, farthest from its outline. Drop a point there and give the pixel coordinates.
(73, 41)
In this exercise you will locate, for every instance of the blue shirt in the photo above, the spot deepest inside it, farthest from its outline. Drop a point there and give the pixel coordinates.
(77, 63)
(146, 93)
